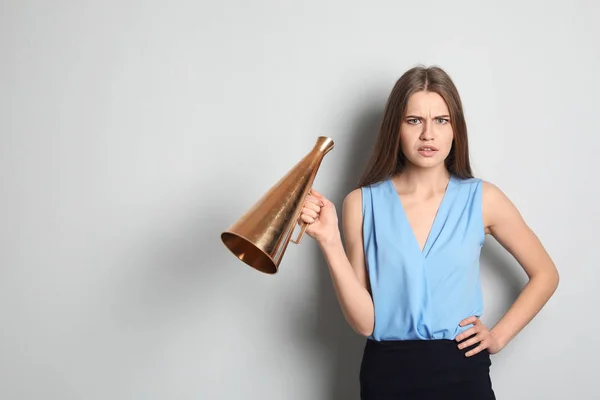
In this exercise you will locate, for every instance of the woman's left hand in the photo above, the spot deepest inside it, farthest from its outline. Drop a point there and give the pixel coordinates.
(486, 338)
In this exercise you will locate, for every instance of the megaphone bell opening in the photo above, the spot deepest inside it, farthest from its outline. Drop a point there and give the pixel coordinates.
(247, 252)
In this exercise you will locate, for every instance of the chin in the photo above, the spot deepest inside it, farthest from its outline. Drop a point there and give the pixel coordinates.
(422, 162)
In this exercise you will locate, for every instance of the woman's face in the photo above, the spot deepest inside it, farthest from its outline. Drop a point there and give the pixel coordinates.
(426, 132)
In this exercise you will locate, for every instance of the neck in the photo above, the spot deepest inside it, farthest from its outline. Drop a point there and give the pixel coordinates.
(423, 180)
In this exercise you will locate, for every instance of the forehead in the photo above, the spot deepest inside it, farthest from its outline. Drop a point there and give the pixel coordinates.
(427, 103)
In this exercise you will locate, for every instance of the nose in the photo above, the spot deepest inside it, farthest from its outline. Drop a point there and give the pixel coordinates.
(426, 133)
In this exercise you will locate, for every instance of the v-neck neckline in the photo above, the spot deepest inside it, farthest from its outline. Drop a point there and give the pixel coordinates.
(436, 219)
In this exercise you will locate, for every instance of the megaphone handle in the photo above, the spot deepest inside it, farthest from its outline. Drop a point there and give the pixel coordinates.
(299, 239)
(304, 226)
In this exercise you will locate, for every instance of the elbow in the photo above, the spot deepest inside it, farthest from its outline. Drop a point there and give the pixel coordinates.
(364, 330)
(556, 280)
(553, 279)
(550, 279)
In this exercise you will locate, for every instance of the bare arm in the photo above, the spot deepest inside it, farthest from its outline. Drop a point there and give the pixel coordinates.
(348, 271)
(505, 224)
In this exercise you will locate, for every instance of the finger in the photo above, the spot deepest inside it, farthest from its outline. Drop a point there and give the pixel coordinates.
(307, 219)
(470, 320)
(312, 206)
(318, 195)
(477, 349)
(469, 332)
(314, 200)
(470, 342)
(311, 213)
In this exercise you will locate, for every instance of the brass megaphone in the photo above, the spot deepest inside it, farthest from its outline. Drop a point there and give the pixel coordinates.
(261, 235)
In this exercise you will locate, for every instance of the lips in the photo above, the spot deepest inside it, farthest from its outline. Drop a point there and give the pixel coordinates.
(427, 148)
(428, 151)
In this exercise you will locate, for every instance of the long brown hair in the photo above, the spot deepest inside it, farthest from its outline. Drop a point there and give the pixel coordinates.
(387, 158)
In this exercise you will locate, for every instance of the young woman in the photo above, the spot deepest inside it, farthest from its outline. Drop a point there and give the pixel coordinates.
(408, 277)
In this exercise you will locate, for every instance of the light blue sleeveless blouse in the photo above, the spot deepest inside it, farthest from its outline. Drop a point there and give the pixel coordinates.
(423, 294)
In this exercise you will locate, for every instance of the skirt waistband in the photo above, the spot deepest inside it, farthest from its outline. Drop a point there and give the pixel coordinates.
(424, 369)
(424, 355)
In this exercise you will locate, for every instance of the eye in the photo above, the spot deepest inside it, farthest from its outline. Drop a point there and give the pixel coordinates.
(442, 120)
(412, 121)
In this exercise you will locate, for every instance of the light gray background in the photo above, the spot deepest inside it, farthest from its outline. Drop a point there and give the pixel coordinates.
(133, 133)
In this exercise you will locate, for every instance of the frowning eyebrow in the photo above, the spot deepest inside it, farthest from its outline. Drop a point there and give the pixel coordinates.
(417, 116)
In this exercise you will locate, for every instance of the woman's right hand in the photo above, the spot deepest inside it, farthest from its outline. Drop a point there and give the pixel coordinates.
(321, 215)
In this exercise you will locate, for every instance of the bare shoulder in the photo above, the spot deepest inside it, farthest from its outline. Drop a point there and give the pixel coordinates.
(492, 192)
(353, 200)
(352, 212)
(498, 209)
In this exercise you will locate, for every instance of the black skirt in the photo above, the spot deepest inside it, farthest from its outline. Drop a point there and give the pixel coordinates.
(424, 369)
